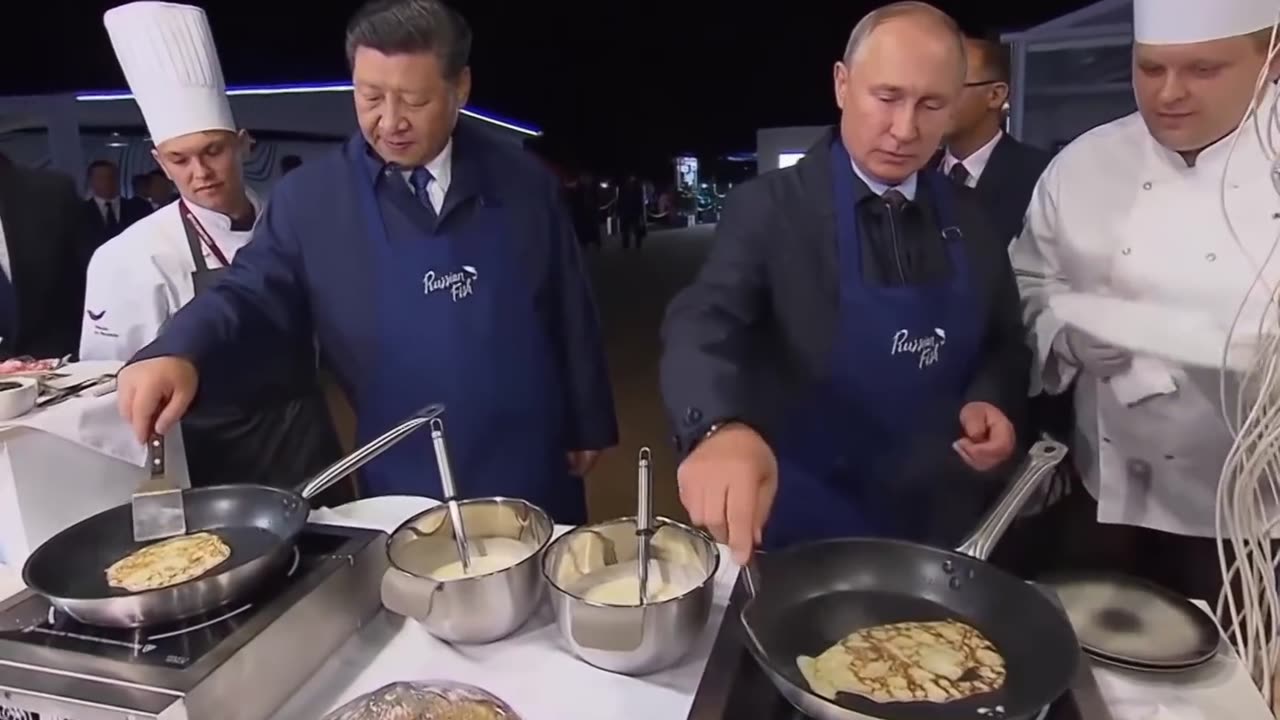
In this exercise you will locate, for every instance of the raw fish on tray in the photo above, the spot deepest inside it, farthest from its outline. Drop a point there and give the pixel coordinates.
(29, 365)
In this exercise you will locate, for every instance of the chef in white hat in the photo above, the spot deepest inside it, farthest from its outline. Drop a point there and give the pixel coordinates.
(1131, 216)
(140, 278)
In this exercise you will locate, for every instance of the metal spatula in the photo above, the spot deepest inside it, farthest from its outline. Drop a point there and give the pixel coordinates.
(158, 509)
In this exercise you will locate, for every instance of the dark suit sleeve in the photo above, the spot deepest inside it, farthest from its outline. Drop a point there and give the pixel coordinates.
(592, 422)
(1004, 373)
(258, 300)
(74, 232)
(706, 334)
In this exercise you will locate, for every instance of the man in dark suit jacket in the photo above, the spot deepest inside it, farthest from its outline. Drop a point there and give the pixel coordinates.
(106, 212)
(851, 359)
(42, 287)
(979, 154)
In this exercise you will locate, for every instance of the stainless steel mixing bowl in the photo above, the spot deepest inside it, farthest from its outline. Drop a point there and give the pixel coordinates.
(474, 609)
(636, 639)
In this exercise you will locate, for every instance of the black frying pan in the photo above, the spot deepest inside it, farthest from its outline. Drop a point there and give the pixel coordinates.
(258, 522)
(809, 597)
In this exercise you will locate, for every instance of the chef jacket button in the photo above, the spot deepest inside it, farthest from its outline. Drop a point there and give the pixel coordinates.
(1275, 216)
(1106, 439)
(692, 416)
(1139, 469)
(1168, 457)
(1211, 257)
(1146, 185)
(1126, 251)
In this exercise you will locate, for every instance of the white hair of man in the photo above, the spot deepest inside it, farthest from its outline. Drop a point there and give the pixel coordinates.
(906, 8)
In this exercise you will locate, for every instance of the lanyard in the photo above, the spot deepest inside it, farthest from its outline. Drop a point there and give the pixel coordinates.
(203, 234)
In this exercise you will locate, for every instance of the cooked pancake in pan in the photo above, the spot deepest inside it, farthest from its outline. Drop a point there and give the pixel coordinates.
(934, 662)
(168, 562)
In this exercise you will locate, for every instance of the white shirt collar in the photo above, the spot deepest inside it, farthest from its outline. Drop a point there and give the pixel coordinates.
(906, 187)
(976, 162)
(215, 223)
(104, 201)
(440, 167)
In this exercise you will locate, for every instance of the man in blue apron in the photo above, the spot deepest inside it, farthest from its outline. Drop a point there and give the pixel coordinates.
(850, 360)
(434, 263)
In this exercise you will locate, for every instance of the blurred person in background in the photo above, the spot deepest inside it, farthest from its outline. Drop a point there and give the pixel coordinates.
(43, 236)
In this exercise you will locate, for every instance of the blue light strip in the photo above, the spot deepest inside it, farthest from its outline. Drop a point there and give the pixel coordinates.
(307, 89)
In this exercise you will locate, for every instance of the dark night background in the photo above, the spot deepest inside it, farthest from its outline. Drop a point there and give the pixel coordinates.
(612, 83)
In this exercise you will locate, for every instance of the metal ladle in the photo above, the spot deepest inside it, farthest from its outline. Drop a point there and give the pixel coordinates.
(644, 520)
(450, 494)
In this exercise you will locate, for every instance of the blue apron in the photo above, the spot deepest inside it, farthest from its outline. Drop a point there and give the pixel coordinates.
(902, 360)
(458, 324)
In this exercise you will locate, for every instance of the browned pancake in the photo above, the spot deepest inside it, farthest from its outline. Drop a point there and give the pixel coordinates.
(168, 562)
(908, 662)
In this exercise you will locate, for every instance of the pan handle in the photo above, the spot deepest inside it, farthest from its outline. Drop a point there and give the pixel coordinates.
(751, 577)
(363, 455)
(1041, 460)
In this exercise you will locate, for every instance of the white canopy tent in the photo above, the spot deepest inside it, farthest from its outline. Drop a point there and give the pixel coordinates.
(1072, 73)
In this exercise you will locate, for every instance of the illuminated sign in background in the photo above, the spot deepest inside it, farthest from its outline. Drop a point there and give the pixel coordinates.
(687, 174)
(789, 158)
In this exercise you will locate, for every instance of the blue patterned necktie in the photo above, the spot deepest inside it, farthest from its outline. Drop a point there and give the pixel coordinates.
(421, 179)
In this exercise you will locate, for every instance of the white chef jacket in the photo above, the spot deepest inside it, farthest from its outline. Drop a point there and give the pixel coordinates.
(140, 278)
(1118, 214)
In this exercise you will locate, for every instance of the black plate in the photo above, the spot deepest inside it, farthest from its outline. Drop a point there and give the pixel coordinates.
(1133, 623)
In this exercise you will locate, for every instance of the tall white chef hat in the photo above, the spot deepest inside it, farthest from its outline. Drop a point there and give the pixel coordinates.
(169, 60)
(1177, 22)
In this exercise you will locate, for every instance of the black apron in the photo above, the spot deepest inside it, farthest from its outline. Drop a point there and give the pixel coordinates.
(278, 436)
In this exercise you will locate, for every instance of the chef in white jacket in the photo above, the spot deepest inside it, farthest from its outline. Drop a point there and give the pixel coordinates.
(1130, 278)
(140, 278)
(271, 425)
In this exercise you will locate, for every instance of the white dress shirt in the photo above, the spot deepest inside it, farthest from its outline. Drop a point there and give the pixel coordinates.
(4, 253)
(975, 163)
(906, 187)
(441, 169)
(113, 204)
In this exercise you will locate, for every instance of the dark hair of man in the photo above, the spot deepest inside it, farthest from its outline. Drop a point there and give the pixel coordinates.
(994, 58)
(394, 27)
(100, 164)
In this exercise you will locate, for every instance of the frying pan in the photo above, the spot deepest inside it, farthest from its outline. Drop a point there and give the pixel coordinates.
(809, 597)
(258, 522)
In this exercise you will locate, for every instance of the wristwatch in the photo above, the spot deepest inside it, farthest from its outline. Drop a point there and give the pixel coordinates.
(714, 428)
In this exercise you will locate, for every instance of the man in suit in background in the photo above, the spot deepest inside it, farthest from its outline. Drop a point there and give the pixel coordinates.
(108, 213)
(42, 265)
(978, 153)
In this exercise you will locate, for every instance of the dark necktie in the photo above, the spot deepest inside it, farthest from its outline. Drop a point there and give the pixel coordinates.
(959, 174)
(421, 179)
(113, 222)
(895, 200)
